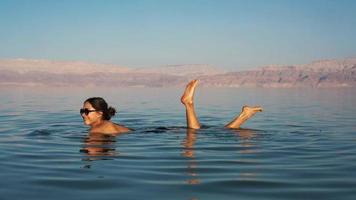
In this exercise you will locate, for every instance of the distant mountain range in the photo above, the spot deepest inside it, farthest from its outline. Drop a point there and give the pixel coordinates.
(318, 74)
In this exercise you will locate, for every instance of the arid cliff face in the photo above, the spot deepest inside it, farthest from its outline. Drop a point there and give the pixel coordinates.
(325, 73)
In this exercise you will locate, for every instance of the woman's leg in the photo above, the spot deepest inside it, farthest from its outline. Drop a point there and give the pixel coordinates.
(188, 101)
(246, 113)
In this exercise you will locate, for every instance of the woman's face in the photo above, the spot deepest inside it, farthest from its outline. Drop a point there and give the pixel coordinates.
(92, 116)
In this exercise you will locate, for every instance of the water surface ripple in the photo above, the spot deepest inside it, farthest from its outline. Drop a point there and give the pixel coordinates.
(301, 147)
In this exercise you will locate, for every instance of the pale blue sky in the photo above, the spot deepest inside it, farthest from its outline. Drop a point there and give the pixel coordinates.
(230, 34)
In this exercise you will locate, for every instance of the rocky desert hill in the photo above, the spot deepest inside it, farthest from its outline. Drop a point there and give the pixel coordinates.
(318, 74)
(323, 73)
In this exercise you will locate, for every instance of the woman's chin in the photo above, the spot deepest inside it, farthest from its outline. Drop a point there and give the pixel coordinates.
(86, 123)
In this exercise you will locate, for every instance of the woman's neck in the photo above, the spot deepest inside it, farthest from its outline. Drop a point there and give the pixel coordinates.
(98, 124)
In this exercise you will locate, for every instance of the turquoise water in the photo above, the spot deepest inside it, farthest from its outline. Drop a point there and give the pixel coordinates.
(303, 146)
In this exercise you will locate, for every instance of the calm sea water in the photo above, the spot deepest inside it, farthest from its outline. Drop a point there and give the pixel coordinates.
(303, 146)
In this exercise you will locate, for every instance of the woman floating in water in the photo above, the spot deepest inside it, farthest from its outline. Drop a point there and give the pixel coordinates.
(97, 114)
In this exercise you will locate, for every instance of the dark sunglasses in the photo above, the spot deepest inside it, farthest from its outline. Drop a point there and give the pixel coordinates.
(86, 111)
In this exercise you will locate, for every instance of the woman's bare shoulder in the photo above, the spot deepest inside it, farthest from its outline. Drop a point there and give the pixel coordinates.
(120, 128)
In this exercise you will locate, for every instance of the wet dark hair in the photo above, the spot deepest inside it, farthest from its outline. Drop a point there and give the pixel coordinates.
(100, 104)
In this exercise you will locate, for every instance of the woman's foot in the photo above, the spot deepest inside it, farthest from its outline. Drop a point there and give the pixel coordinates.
(250, 111)
(188, 95)
(188, 101)
(246, 113)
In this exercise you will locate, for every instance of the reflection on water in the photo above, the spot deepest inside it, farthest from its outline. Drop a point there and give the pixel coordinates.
(99, 147)
(246, 146)
(188, 152)
(246, 137)
(245, 134)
